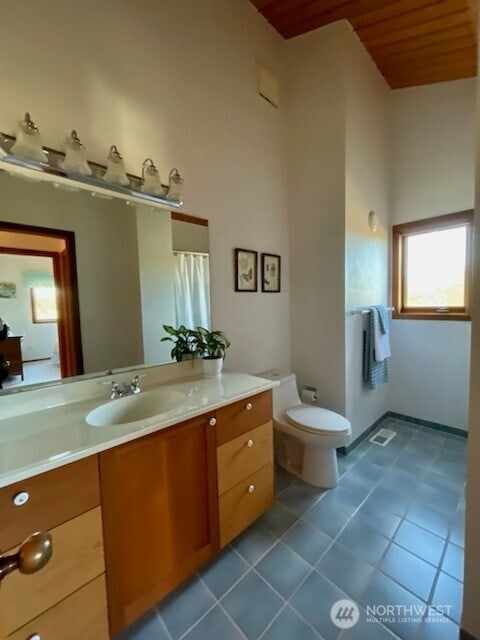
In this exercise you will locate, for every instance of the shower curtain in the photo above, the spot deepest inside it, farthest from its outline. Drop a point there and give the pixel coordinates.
(192, 290)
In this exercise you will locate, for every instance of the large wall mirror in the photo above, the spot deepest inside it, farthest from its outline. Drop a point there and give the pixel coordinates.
(86, 282)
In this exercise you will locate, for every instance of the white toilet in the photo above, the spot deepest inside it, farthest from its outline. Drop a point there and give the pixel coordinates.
(306, 436)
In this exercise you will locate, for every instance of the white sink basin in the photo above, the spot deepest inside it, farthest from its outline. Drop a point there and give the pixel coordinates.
(135, 408)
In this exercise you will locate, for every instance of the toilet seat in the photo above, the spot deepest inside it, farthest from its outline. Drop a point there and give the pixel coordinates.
(317, 420)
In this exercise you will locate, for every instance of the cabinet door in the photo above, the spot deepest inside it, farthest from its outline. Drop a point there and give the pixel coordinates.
(159, 496)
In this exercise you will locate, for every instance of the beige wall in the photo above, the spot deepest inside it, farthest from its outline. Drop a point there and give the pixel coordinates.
(174, 81)
(432, 174)
(471, 610)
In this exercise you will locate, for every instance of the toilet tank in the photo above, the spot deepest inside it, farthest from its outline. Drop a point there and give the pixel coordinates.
(285, 395)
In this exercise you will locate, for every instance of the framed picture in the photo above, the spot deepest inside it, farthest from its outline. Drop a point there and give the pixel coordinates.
(271, 273)
(8, 290)
(246, 274)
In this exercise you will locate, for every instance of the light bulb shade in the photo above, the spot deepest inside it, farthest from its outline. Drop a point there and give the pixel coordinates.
(151, 182)
(373, 221)
(28, 143)
(115, 173)
(75, 160)
(175, 186)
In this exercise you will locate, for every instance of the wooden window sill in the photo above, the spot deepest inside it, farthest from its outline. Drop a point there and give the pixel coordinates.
(408, 315)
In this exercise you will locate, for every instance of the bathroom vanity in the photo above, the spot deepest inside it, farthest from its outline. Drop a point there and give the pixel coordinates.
(133, 508)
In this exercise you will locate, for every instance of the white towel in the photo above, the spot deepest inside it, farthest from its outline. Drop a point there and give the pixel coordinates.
(381, 340)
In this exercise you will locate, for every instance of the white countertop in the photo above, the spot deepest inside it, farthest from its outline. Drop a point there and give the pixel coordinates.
(43, 440)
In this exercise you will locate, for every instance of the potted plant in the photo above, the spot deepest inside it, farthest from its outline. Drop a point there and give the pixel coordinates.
(185, 345)
(212, 346)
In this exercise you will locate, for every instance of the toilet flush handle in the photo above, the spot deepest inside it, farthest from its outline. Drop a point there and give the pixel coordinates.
(250, 443)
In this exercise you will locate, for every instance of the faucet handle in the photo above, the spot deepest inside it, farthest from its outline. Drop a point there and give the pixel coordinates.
(135, 384)
(116, 390)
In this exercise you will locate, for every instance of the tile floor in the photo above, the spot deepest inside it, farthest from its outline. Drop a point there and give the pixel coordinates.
(391, 533)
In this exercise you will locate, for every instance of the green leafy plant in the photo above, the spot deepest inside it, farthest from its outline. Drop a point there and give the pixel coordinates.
(211, 344)
(185, 342)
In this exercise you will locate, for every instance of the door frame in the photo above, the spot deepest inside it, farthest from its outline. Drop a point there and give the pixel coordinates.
(66, 281)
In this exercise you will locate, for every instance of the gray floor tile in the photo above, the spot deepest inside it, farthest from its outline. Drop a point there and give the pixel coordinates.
(148, 627)
(384, 522)
(308, 541)
(288, 626)
(448, 593)
(182, 608)
(345, 499)
(383, 498)
(453, 561)
(454, 443)
(252, 605)
(223, 572)
(364, 541)
(254, 543)
(457, 534)
(420, 542)
(411, 572)
(366, 629)
(313, 601)
(428, 518)
(441, 629)
(441, 481)
(215, 625)
(327, 518)
(299, 498)
(383, 591)
(278, 519)
(282, 480)
(283, 569)
(444, 501)
(347, 571)
(367, 470)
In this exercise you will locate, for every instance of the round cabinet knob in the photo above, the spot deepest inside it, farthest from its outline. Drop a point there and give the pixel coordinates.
(251, 488)
(249, 406)
(212, 422)
(21, 498)
(249, 443)
(34, 637)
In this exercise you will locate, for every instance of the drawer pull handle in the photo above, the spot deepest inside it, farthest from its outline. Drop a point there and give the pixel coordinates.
(21, 498)
(249, 443)
(251, 488)
(249, 406)
(212, 422)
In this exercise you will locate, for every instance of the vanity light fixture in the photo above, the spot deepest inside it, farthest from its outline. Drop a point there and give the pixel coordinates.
(75, 160)
(175, 186)
(28, 143)
(151, 182)
(115, 172)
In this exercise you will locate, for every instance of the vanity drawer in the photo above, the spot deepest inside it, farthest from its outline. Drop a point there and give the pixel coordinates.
(242, 416)
(242, 456)
(81, 616)
(77, 559)
(244, 503)
(53, 497)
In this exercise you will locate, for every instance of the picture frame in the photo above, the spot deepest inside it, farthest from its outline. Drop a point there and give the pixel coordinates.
(246, 270)
(8, 290)
(271, 273)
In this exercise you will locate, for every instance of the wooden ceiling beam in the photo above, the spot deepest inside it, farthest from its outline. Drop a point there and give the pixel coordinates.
(420, 41)
(415, 31)
(388, 11)
(458, 58)
(427, 14)
(450, 44)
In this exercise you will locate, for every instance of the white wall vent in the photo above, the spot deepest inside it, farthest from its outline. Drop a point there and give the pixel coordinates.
(267, 85)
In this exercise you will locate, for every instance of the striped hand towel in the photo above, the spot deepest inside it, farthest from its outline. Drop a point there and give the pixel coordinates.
(374, 373)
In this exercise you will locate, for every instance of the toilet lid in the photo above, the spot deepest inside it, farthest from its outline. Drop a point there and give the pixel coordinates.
(317, 420)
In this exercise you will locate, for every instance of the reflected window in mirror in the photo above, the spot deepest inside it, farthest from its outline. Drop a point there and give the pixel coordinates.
(44, 304)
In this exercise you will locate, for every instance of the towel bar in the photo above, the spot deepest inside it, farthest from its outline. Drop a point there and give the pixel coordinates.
(359, 310)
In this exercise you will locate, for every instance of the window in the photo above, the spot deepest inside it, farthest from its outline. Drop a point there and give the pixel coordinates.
(432, 268)
(44, 304)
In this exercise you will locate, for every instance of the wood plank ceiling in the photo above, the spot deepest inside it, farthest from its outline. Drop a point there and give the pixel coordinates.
(412, 42)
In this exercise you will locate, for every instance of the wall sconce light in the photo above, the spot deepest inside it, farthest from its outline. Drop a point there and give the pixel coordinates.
(373, 221)
(175, 186)
(28, 143)
(75, 160)
(151, 182)
(115, 172)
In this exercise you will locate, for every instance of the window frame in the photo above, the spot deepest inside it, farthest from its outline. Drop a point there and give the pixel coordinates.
(400, 233)
(33, 303)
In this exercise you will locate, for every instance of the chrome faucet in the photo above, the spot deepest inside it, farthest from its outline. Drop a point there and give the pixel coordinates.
(122, 389)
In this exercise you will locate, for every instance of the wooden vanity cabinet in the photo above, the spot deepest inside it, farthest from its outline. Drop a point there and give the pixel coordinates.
(160, 512)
